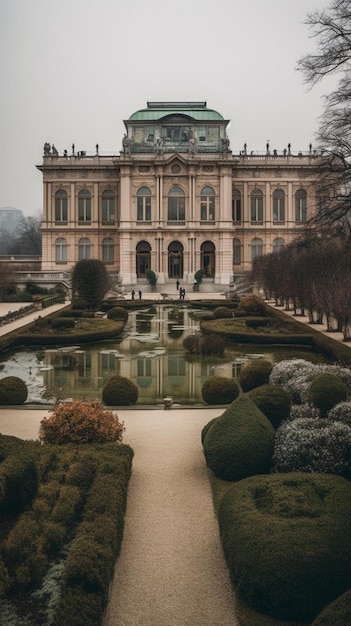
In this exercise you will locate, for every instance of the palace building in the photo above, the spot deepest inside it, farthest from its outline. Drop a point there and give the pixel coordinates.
(174, 199)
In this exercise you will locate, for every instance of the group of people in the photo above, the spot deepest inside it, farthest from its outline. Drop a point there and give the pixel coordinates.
(140, 294)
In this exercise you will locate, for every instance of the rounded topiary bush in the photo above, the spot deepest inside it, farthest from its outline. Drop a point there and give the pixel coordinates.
(252, 305)
(240, 442)
(118, 313)
(192, 343)
(313, 445)
(220, 390)
(255, 374)
(119, 391)
(287, 542)
(81, 422)
(13, 390)
(273, 401)
(212, 344)
(325, 391)
(338, 613)
(222, 312)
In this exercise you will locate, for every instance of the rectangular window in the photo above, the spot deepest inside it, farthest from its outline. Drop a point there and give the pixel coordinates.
(144, 209)
(108, 210)
(236, 209)
(202, 133)
(84, 210)
(278, 210)
(60, 209)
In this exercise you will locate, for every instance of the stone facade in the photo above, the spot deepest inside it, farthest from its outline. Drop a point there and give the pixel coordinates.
(175, 199)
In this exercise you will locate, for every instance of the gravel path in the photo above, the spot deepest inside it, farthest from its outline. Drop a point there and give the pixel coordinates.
(171, 570)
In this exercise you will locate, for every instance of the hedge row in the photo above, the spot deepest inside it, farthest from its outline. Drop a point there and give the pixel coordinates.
(74, 524)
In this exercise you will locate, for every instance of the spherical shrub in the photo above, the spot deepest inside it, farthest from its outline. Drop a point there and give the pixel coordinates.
(13, 390)
(81, 422)
(313, 445)
(118, 313)
(212, 344)
(325, 391)
(222, 312)
(287, 542)
(338, 613)
(240, 442)
(252, 305)
(192, 344)
(119, 391)
(255, 374)
(273, 401)
(220, 390)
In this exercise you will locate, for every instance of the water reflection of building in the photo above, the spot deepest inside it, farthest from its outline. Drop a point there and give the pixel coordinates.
(151, 355)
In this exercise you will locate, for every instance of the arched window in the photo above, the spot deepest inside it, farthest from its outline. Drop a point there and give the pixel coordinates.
(84, 206)
(61, 206)
(236, 205)
(144, 204)
(108, 250)
(143, 258)
(175, 260)
(176, 205)
(208, 258)
(300, 205)
(256, 205)
(207, 204)
(84, 249)
(278, 244)
(61, 250)
(236, 252)
(256, 248)
(278, 205)
(108, 206)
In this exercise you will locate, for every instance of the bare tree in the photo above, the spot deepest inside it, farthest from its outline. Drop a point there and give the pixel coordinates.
(7, 277)
(29, 236)
(331, 29)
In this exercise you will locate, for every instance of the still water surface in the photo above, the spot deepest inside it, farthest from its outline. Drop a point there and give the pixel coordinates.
(150, 353)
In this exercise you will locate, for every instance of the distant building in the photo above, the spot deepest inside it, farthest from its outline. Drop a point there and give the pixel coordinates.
(9, 220)
(175, 199)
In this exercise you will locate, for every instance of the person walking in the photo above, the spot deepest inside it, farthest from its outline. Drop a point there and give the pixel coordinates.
(177, 284)
(133, 294)
(140, 294)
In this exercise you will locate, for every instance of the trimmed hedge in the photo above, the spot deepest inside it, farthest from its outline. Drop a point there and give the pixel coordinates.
(220, 390)
(273, 401)
(255, 374)
(287, 542)
(18, 481)
(325, 391)
(119, 391)
(76, 516)
(118, 313)
(13, 390)
(240, 442)
(338, 613)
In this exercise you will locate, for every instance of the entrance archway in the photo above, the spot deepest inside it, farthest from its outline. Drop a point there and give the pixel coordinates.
(143, 258)
(208, 258)
(175, 260)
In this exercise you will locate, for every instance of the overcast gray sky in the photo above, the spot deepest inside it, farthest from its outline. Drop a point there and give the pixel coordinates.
(72, 70)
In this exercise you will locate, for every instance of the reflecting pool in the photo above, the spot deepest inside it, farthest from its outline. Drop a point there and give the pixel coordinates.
(150, 353)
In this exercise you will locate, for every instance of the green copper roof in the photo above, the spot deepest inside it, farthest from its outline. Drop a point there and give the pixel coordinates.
(157, 110)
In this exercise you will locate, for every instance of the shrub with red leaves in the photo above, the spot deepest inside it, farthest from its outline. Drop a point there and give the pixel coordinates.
(81, 422)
